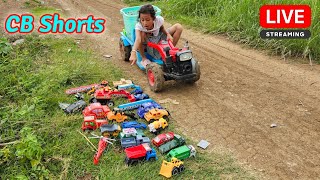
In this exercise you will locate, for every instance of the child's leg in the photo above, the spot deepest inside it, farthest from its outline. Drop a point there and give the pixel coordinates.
(175, 31)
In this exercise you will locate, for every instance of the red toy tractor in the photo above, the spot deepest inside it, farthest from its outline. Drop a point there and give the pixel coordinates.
(178, 64)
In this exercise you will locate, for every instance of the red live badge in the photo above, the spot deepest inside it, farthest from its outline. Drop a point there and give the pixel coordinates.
(285, 16)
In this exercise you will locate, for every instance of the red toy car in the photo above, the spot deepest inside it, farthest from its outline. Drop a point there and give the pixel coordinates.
(162, 138)
(97, 110)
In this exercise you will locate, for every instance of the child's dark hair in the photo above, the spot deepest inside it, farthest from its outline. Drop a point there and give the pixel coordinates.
(147, 9)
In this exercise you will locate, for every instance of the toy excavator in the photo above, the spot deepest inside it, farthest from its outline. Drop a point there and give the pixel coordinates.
(172, 168)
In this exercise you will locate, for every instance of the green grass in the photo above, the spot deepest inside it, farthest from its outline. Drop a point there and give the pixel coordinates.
(239, 20)
(36, 74)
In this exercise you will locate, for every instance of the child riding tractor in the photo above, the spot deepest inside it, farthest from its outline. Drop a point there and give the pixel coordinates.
(171, 63)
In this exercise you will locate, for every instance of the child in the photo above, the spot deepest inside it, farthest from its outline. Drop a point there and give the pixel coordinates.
(150, 28)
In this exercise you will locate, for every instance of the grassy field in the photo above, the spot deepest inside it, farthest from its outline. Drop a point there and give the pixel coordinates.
(47, 143)
(239, 20)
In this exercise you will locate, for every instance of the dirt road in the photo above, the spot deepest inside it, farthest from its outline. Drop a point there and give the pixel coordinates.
(240, 94)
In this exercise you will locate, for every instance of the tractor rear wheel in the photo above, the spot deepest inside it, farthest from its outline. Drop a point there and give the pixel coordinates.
(124, 51)
(155, 77)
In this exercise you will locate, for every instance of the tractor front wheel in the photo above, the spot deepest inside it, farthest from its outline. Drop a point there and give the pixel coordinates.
(124, 51)
(196, 69)
(155, 77)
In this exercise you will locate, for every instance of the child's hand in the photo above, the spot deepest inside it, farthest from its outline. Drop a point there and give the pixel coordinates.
(133, 58)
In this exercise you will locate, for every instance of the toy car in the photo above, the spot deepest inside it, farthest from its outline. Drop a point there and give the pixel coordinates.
(110, 130)
(139, 153)
(145, 107)
(157, 126)
(74, 107)
(176, 142)
(134, 141)
(92, 123)
(105, 95)
(133, 124)
(141, 96)
(182, 152)
(172, 63)
(155, 114)
(162, 138)
(97, 110)
(117, 116)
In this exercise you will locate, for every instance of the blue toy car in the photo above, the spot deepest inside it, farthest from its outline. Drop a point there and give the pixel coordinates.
(141, 96)
(145, 107)
(133, 124)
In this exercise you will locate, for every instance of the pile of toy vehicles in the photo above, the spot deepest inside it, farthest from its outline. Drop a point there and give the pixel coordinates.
(118, 123)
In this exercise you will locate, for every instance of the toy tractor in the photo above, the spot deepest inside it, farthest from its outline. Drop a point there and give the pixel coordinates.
(170, 63)
(171, 168)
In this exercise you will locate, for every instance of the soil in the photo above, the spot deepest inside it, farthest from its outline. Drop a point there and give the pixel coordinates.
(240, 94)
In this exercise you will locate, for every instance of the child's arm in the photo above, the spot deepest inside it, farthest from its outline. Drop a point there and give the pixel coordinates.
(164, 31)
(136, 45)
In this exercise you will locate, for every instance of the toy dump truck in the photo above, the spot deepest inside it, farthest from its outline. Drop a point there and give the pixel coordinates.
(139, 153)
(157, 126)
(176, 142)
(134, 141)
(172, 168)
(182, 152)
(110, 130)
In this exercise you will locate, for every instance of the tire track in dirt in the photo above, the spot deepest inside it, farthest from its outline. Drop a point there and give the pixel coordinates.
(241, 92)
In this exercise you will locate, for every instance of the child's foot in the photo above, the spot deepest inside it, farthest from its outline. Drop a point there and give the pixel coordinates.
(145, 62)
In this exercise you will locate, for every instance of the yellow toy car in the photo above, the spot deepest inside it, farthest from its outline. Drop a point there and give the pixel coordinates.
(155, 114)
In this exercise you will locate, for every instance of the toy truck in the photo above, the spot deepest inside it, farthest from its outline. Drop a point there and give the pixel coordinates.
(110, 130)
(162, 138)
(172, 168)
(132, 133)
(92, 123)
(182, 152)
(145, 107)
(105, 95)
(97, 110)
(133, 105)
(176, 142)
(133, 124)
(139, 153)
(116, 116)
(157, 126)
(155, 114)
(134, 141)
